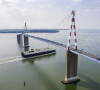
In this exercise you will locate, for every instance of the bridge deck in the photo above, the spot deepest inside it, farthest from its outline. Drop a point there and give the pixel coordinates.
(71, 49)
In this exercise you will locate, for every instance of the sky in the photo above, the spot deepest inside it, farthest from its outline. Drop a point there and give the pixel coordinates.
(49, 14)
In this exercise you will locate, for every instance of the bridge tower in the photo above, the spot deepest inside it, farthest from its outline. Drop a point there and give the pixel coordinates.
(71, 58)
(26, 40)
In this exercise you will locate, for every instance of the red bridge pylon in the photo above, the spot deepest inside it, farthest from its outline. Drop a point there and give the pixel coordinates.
(71, 58)
(70, 31)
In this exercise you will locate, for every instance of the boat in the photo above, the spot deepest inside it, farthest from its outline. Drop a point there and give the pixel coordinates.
(38, 52)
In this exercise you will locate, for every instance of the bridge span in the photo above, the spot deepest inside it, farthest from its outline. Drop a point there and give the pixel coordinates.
(81, 52)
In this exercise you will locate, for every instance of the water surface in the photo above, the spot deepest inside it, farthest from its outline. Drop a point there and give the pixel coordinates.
(46, 73)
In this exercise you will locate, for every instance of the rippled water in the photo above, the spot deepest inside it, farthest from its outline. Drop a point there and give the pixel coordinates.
(46, 73)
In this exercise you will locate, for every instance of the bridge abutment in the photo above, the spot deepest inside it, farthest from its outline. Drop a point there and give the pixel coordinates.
(71, 68)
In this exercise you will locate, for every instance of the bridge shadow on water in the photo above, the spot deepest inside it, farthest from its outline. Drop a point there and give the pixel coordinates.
(43, 77)
(88, 83)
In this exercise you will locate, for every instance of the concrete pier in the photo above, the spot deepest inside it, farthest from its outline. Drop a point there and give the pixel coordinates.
(19, 38)
(71, 68)
(26, 43)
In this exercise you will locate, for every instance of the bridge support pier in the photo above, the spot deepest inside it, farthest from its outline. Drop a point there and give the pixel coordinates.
(26, 43)
(19, 38)
(71, 68)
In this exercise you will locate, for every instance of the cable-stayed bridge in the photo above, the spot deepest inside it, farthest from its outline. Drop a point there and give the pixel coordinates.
(71, 53)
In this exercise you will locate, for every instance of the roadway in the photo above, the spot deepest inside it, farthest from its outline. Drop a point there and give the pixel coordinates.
(81, 52)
